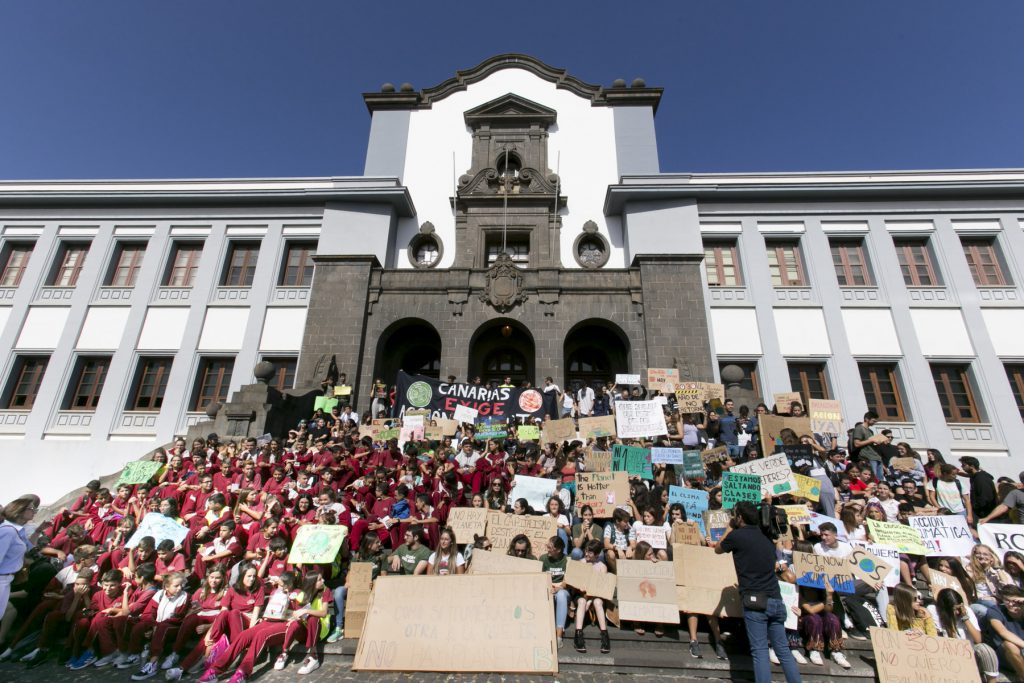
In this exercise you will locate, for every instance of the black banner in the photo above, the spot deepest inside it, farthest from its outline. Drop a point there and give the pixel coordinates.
(416, 392)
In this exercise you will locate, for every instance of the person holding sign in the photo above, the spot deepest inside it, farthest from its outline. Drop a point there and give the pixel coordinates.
(554, 562)
(953, 619)
(591, 555)
(764, 612)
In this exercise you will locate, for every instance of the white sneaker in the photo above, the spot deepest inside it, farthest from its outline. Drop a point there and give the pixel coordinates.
(816, 658)
(173, 674)
(169, 661)
(31, 656)
(840, 659)
(6, 654)
(127, 661)
(772, 656)
(106, 660)
(799, 656)
(145, 653)
(309, 666)
(282, 660)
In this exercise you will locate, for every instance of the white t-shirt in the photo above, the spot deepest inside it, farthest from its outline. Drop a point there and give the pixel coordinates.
(947, 495)
(467, 460)
(586, 400)
(841, 550)
(960, 631)
(891, 507)
(445, 569)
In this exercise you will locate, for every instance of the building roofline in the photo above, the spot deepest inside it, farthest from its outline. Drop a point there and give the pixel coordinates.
(207, 191)
(638, 94)
(817, 186)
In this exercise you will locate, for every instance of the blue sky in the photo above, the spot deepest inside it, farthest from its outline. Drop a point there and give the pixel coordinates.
(133, 89)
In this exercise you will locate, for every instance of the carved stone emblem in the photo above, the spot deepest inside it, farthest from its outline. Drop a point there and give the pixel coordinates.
(504, 287)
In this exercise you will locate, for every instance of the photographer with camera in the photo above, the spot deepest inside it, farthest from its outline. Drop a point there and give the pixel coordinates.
(764, 612)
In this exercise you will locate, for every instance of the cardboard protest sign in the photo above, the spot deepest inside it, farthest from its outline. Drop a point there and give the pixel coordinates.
(716, 522)
(435, 623)
(654, 536)
(906, 539)
(466, 522)
(528, 433)
(317, 543)
(138, 472)
(706, 583)
(372, 431)
(635, 419)
(412, 419)
(647, 591)
(581, 575)
(596, 427)
(502, 528)
(790, 596)
(784, 399)
(668, 456)
(324, 403)
(160, 528)
(432, 433)
(942, 581)
(598, 461)
(776, 477)
(717, 454)
(485, 562)
(686, 533)
(662, 379)
(491, 428)
(633, 460)
(840, 572)
(891, 556)
(388, 434)
(694, 502)
(737, 486)
(771, 425)
(413, 433)
(447, 427)
(360, 575)
(690, 397)
(465, 414)
(535, 490)
(693, 466)
(826, 416)
(914, 656)
(807, 487)
(904, 464)
(603, 491)
(714, 392)
(796, 514)
(556, 431)
(944, 535)
(1001, 537)
(622, 380)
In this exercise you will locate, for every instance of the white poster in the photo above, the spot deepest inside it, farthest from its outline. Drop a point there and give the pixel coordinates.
(627, 379)
(1002, 537)
(535, 490)
(465, 414)
(656, 536)
(776, 477)
(944, 535)
(791, 597)
(634, 419)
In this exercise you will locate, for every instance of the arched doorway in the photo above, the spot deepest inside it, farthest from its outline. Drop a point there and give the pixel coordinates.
(412, 345)
(500, 349)
(595, 351)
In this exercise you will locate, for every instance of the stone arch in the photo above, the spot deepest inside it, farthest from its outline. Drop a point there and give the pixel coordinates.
(409, 344)
(595, 351)
(502, 347)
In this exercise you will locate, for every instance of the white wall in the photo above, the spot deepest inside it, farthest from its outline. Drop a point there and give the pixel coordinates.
(223, 329)
(584, 135)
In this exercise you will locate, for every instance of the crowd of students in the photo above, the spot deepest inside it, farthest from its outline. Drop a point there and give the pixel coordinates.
(93, 594)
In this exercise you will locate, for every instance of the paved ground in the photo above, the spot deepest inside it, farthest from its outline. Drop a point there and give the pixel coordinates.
(328, 673)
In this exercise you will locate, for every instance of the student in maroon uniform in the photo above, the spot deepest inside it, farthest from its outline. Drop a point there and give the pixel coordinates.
(204, 608)
(162, 615)
(240, 605)
(98, 639)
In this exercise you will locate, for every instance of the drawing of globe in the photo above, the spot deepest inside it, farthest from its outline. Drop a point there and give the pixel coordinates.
(317, 544)
(419, 394)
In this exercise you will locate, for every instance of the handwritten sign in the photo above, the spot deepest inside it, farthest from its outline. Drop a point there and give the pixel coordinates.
(662, 379)
(790, 596)
(693, 466)
(636, 419)
(706, 583)
(770, 426)
(915, 656)
(160, 528)
(906, 539)
(485, 562)
(737, 487)
(816, 571)
(465, 414)
(944, 535)
(528, 433)
(908, 464)
(317, 543)
(597, 427)
(784, 399)
(694, 502)
(690, 397)
(654, 536)
(776, 477)
(595, 584)
(535, 490)
(466, 522)
(325, 404)
(447, 427)
(602, 491)
(796, 514)
(598, 461)
(556, 431)
(717, 454)
(388, 434)
(491, 428)
(716, 522)
(623, 380)
(502, 528)
(647, 591)
(434, 623)
(687, 533)
(138, 472)
(633, 460)
(807, 487)
(826, 416)
(668, 456)
(942, 582)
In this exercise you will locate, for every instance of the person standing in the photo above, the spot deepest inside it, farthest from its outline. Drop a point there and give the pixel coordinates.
(865, 444)
(764, 612)
(14, 542)
(585, 401)
(983, 487)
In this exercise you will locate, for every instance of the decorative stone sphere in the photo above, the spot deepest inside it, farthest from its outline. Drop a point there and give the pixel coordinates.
(732, 374)
(212, 409)
(406, 87)
(387, 87)
(264, 371)
(619, 83)
(639, 83)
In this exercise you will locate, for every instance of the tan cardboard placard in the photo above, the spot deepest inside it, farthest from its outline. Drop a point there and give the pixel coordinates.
(807, 487)
(842, 572)
(771, 425)
(690, 397)
(360, 575)
(914, 656)
(485, 562)
(714, 392)
(662, 379)
(432, 433)
(448, 427)
(942, 581)
(686, 533)
(557, 431)
(706, 583)
(716, 519)
(598, 461)
(595, 427)
(826, 416)
(716, 454)
(357, 599)
(370, 430)
(502, 528)
(435, 623)
(467, 521)
(647, 591)
(796, 514)
(783, 399)
(582, 576)
(904, 464)
(603, 491)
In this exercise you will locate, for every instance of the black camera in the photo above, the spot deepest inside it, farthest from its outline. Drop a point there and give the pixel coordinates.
(773, 521)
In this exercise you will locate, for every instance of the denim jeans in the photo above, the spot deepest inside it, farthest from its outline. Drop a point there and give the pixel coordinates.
(769, 628)
(561, 608)
(877, 469)
(340, 593)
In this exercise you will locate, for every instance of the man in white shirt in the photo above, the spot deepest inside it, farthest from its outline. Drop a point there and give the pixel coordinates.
(467, 457)
(831, 546)
(585, 401)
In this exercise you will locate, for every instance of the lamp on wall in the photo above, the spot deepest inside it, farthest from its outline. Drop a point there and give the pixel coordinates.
(506, 331)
